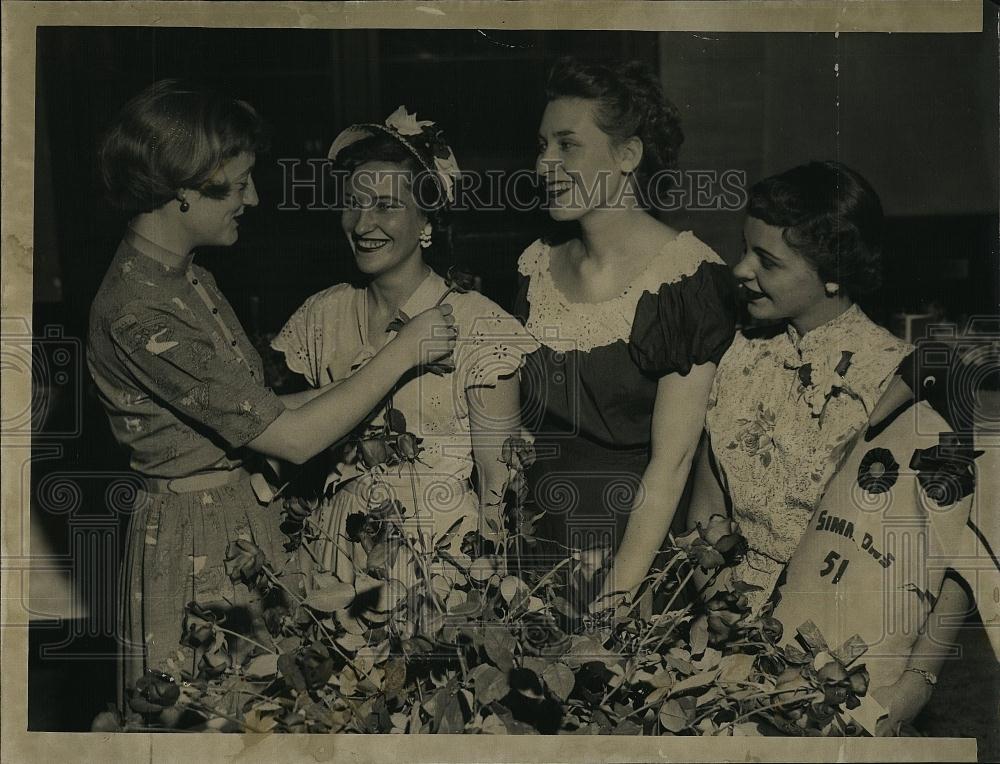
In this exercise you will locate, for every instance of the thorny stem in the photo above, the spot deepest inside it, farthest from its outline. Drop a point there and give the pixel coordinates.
(756, 711)
(413, 550)
(245, 638)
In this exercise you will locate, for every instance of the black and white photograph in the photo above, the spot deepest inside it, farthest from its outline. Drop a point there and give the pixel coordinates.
(635, 377)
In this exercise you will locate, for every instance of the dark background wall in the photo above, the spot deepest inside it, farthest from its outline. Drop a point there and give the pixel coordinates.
(916, 114)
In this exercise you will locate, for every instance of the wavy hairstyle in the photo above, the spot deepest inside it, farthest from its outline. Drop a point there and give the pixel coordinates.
(629, 101)
(172, 136)
(382, 147)
(831, 216)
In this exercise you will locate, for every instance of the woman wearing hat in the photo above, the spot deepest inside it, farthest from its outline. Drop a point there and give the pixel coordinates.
(400, 179)
(183, 387)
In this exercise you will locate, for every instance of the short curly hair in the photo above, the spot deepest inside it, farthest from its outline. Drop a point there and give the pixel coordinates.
(629, 102)
(382, 147)
(173, 136)
(831, 216)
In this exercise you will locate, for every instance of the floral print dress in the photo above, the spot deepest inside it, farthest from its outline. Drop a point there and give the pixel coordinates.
(183, 389)
(783, 413)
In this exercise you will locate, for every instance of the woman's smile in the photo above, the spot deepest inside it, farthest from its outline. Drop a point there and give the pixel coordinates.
(367, 244)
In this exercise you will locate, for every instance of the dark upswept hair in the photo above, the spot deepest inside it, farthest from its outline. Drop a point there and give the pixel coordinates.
(382, 147)
(172, 136)
(831, 216)
(629, 101)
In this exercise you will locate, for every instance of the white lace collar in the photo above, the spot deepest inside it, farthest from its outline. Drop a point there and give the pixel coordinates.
(555, 320)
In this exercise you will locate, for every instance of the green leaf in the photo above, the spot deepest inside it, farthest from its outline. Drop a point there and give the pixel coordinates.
(707, 697)
(510, 586)
(699, 635)
(491, 685)
(262, 666)
(673, 717)
(451, 720)
(736, 668)
(336, 596)
(395, 676)
(627, 727)
(493, 725)
(695, 681)
(396, 421)
(560, 680)
(471, 606)
(499, 646)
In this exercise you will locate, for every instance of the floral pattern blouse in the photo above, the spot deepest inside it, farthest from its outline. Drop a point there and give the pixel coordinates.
(325, 340)
(782, 414)
(181, 382)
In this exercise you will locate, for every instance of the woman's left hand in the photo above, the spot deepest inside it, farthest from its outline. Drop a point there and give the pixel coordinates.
(903, 700)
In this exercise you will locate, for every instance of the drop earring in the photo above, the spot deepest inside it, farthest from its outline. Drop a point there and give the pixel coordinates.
(184, 204)
(425, 236)
(832, 288)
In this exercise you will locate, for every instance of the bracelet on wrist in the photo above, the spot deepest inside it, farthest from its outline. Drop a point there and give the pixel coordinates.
(924, 674)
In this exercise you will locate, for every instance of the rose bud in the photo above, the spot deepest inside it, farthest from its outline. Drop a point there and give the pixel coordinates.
(821, 713)
(771, 628)
(244, 561)
(516, 452)
(374, 451)
(540, 635)
(198, 626)
(458, 280)
(275, 618)
(214, 663)
(106, 721)
(154, 691)
(316, 665)
(299, 509)
(832, 672)
(408, 446)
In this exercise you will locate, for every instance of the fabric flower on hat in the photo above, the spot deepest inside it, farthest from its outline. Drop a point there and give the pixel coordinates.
(405, 123)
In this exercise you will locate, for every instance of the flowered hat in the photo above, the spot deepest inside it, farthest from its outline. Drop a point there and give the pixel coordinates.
(422, 138)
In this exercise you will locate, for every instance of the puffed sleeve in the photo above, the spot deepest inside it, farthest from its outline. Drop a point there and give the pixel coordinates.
(177, 364)
(687, 322)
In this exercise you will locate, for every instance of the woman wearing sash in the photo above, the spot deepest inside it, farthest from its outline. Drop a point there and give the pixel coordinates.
(845, 499)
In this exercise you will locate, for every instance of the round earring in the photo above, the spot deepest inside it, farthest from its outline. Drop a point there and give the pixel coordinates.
(425, 236)
(184, 204)
(831, 288)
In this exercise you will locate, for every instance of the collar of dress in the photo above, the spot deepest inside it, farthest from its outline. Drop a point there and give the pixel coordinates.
(427, 293)
(171, 261)
(826, 364)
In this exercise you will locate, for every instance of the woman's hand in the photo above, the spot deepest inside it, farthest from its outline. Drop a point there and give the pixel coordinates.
(429, 336)
(903, 700)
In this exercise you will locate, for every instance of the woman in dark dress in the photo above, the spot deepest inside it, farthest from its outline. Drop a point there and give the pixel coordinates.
(183, 387)
(632, 317)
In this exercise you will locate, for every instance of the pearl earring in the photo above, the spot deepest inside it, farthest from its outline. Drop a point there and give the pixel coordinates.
(425, 236)
(832, 288)
(184, 204)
